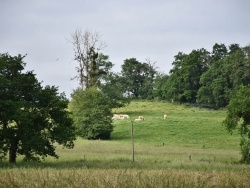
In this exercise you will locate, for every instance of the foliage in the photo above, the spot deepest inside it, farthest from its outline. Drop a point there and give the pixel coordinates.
(96, 72)
(160, 86)
(113, 88)
(224, 76)
(215, 86)
(183, 83)
(138, 78)
(92, 113)
(208, 78)
(32, 118)
(238, 112)
(220, 51)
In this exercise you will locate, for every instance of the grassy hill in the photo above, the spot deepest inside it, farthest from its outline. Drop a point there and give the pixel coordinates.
(184, 127)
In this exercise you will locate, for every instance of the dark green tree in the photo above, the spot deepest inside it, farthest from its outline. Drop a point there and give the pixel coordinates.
(241, 67)
(225, 76)
(32, 118)
(212, 83)
(220, 51)
(92, 113)
(215, 85)
(183, 82)
(138, 78)
(233, 48)
(238, 114)
(175, 80)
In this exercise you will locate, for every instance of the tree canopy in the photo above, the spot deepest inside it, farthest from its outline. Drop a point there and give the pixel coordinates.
(184, 80)
(32, 117)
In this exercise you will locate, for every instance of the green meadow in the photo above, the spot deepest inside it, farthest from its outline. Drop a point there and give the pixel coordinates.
(191, 148)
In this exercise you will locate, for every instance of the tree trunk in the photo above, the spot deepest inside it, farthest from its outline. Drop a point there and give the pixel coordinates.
(12, 152)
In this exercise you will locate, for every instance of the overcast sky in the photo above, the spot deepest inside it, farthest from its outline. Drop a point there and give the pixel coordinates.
(142, 29)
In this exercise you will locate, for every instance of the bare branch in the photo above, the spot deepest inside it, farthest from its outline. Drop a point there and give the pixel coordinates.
(82, 44)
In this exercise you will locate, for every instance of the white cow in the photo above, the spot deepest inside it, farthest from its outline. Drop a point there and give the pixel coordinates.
(115, 116)
(125, 116)
(165, 116)
(120, 116)
(140, 118)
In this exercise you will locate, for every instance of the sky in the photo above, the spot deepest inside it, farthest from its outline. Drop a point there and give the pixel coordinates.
(141, 29)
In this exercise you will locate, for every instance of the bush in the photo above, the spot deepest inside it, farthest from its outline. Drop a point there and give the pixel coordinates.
(92, 114)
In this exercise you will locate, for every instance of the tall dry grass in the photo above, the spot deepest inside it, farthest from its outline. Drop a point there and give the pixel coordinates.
(32, 178)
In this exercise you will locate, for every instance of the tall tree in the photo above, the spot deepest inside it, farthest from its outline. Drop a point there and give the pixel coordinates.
(32, 118)
(174, 84)
(86, 46)
(183, 82)
(219, 52)
(225, 76)
(215, 85)
(241, 67)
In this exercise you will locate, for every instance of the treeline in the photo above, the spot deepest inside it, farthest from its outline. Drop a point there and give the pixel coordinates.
(202, 77)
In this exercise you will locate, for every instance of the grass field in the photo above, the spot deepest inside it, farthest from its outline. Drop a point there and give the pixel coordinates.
(190, 149)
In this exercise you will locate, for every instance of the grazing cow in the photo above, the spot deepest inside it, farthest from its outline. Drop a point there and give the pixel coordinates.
(165, 116)
(115, 116)
(141, 117)
(120, 116)
(138, 119)
(125, 116)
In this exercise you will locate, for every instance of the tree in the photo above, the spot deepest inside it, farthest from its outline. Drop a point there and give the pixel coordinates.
(32, 118)
(241, 67)
(219, 52)
(87, 46)
(238, 114)
(215, 85)
(183, 83)
(225, 76)
(92, 113)
(138, 78)
(175, 80)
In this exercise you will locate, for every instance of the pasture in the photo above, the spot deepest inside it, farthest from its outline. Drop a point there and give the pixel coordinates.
(190, 148)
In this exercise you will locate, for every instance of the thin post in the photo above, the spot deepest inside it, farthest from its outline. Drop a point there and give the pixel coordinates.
(132, 140)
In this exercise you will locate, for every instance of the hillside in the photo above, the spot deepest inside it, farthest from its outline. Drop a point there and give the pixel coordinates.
(184, 127)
